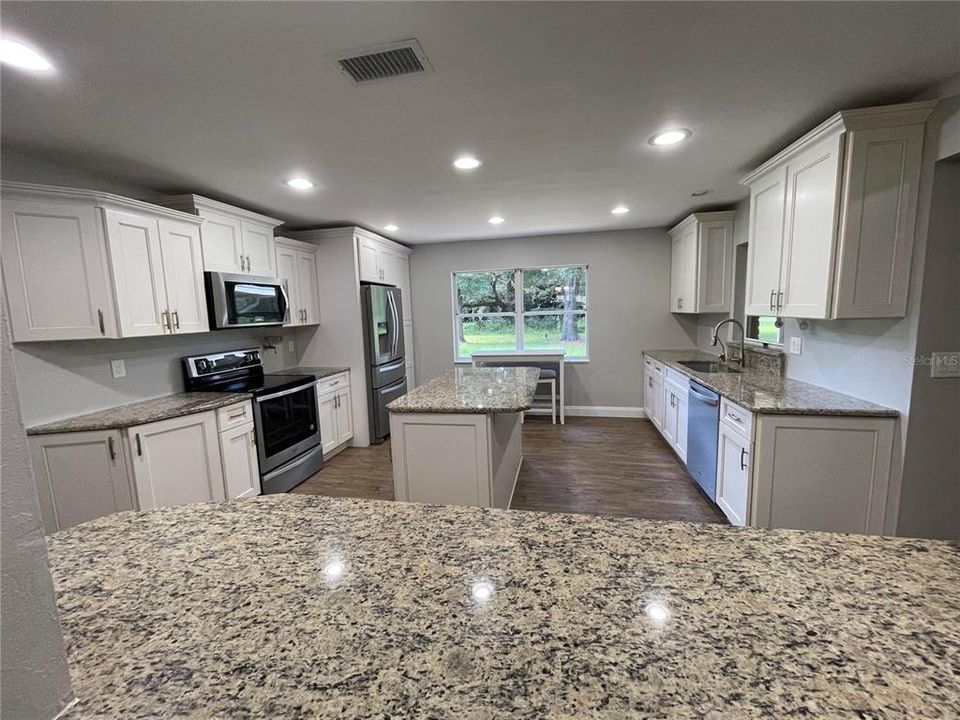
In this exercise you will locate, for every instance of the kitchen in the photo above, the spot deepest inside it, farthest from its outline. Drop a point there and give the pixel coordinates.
(230, 334)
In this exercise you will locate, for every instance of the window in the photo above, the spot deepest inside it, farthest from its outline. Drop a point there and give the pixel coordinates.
(525, 309)
(763, 329)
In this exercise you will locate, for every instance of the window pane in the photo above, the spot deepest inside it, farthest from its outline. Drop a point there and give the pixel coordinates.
(485, 292)
(556, 332)
(763, 328)
(486, 333)
(558, 288)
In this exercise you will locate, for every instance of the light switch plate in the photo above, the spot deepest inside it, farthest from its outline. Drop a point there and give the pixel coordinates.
(796, 345)
(945, 365)
(292, 346)
(118, 368)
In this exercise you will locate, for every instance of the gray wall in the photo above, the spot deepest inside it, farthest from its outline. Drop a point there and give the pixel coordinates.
(629, 279)
(33, 665)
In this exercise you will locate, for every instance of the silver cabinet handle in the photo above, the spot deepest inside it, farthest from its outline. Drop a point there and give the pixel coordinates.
(110, 448)
(103, 329)
(733, 417)
(779, 301)
(237, 415)
(772, 293)
(176, 319)
(165, 315)
(249, 264)
(743, 454)
(679, 303)
(139, 446)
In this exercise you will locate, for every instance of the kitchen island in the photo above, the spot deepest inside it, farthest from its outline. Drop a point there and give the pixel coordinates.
(457, 439)
(290, 606)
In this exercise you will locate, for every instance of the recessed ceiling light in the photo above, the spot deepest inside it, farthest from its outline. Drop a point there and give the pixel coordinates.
(300, 183)
(670, 137)
(390, 228)
(467, 162)
(620, 210)
(496, 220)
(22, 56)
(700, 193)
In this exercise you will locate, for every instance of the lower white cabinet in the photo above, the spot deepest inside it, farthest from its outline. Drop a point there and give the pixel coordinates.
(734, 455)
(334, 410)
(80, 476)
(176, 461)
(675, 405)
(241, 470)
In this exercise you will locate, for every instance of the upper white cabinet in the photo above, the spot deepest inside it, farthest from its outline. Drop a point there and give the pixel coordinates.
(234, 240)
(55, 266)
(701, 263)
(297, 264)
(832, 217)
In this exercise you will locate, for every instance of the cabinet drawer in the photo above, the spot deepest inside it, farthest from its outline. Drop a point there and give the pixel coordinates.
(736, 417)
(231, 416)
(677, 378)
(334, 382)
(656, 368)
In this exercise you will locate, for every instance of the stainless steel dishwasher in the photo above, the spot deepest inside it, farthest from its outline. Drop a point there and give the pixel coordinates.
(703, 425)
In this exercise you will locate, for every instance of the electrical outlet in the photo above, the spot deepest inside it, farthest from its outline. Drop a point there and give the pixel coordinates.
(292, 346)
(945, 365)
(796, 345)
(118, 368)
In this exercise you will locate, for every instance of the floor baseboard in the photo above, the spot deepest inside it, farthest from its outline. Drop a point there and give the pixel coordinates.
(611, 411)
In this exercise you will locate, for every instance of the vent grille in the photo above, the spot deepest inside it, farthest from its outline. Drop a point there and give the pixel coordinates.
(403, 58)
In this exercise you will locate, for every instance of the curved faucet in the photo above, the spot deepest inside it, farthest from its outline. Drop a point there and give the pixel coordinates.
(723, 349)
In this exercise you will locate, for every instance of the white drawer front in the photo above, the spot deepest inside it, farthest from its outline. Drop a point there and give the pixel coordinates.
(232, 416)
(736, 417)
(334, 382)
(677, 378)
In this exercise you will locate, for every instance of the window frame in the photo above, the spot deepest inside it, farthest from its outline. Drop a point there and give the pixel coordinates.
(519, 312)
(754, 341)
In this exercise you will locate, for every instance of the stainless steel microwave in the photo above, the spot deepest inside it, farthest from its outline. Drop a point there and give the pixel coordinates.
(236, 301)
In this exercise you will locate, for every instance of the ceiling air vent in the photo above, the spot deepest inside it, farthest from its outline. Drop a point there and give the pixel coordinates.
(384, 61)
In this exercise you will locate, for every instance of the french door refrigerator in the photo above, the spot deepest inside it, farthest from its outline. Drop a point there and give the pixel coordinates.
(383, 346)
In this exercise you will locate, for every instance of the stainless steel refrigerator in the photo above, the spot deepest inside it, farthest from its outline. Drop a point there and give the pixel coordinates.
(383, 345)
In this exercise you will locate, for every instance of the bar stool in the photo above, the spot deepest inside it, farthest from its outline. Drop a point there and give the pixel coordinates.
(549, 377)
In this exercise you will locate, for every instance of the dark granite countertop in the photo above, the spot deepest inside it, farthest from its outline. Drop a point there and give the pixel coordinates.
(138, 413)
(291, 606)
(319, 372)
(763, 392)
(473, 390)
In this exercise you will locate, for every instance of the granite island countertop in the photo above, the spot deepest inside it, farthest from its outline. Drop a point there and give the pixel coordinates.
(318, 371)
(144, 411)
(291, 606)
(473, 390)
(763, 392)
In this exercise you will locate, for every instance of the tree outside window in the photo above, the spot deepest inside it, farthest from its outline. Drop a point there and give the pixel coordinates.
(521, 309)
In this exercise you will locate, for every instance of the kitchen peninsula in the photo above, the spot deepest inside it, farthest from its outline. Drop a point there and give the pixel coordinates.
(457, 439)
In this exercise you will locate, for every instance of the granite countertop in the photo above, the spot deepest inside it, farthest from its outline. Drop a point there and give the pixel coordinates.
(145, 411)
(473, 390)
(319, 372)
(764, 392)
(291, 606)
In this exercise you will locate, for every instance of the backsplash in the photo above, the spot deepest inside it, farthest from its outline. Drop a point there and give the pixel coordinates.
(766, 361)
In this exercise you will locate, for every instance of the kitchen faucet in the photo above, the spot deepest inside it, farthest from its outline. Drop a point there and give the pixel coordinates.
(723, 349)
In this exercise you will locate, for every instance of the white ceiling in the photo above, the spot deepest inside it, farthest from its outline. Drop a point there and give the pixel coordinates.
(558, 99)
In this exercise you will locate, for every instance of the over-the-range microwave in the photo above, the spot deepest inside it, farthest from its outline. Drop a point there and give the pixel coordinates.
(237, 301)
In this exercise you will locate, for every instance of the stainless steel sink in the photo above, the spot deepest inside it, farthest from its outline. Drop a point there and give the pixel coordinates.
(705, 366)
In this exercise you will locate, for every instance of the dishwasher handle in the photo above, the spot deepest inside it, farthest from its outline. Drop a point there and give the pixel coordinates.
(704, 398)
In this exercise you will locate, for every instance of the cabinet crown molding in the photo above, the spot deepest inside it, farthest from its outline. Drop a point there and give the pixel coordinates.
(857, 119)
(94, 197)
(702, 217)
(192, 203)
(296, 244)
(351, 231)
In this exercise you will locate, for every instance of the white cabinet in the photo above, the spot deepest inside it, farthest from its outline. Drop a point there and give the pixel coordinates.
(241, 470)
(658, 404)
(176, 461)
(832, 218)
(368, 256)
(55, 266)
(734, 456)
(157, 274)
(80, 476)
(701, 263)
(675, 408)
(234, 240)
(334, 407)
(297, 264)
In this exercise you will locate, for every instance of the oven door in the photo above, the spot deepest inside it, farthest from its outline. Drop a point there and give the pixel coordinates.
(245, 301)
(286, 424)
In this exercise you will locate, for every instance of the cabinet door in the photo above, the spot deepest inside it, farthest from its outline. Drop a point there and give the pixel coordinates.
(287, 266)
(259, 249)
(222, 243)
(177, 461)
(766, 241)
(670, 409)
(344, 416)
(56, 271)
(80, 476)
(733, 475)
(680, 443)
(806, 270)
(309, 293)
(715, 263)
(676, 274)
(137, 264)
(648, 403)
(327, 412)
(369, 260)
(183, 275)
(241, 470)
(658, 402)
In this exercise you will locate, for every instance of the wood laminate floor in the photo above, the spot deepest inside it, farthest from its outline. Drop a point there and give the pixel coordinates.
(605, 466)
